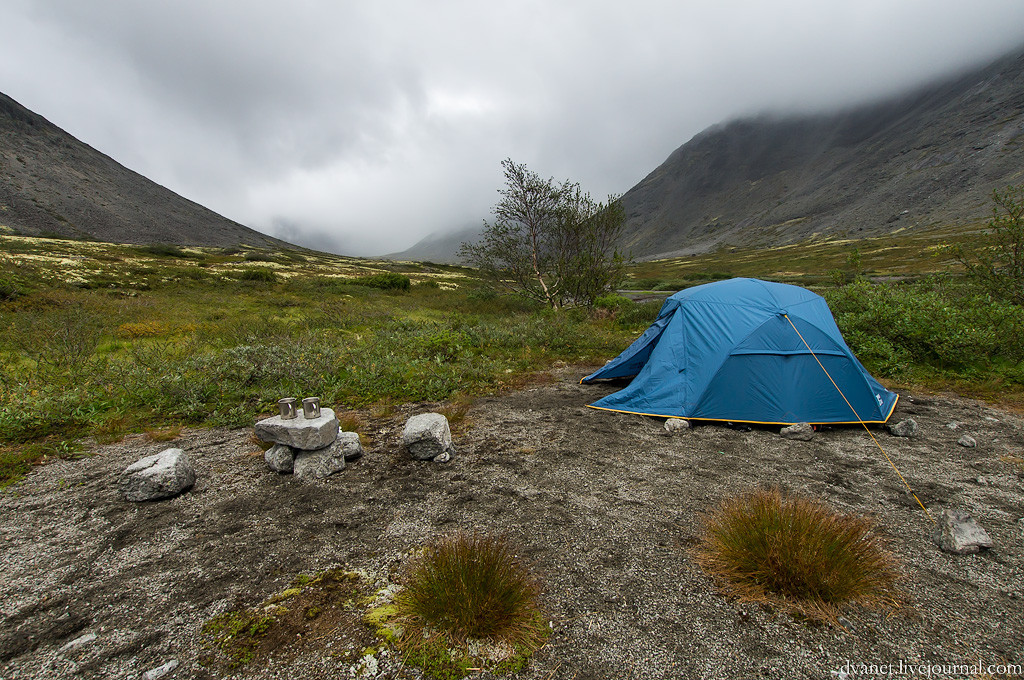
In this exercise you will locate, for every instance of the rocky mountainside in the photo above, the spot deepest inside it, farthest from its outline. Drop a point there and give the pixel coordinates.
(438, 247)
(929, 158)
(53, 184)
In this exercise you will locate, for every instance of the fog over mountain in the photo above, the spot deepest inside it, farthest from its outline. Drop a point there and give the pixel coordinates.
(363, 127)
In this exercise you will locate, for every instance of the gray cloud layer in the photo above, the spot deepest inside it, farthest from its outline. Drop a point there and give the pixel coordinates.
(363, 126)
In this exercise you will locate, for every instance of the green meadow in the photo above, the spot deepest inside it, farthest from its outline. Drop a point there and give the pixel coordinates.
(102, 340)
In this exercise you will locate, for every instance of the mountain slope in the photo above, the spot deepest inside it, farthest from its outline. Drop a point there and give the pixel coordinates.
(929, 158)
(53, 184)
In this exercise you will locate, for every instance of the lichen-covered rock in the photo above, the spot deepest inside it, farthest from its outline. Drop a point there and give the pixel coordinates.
(306, 434)
(162, 475)
(958, 533)
(676, 425)
(904, 428)
(310, 465)
(800, 431)
(280, 458)
(427, 436)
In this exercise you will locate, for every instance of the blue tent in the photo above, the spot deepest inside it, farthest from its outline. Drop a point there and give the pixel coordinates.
(749, 351)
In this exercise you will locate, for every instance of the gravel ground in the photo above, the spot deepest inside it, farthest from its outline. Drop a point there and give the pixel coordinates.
(606, 506)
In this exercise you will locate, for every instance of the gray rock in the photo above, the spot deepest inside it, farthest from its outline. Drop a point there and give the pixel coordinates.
(443, 457)
(1020, 525)
(280, 458)
(676, 425)
(427, 436)
(162, 475)
(319, 464)
(306, 434)
(958, 533)
(350, 445)
(800, 431)
(968, 441)
(952, 425)
(78, 642)
(904, 428)
(160, 671)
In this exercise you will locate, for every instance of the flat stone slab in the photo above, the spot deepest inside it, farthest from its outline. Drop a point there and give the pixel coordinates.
(427, 436)
(307, 434)
(162, 475)
(958, 533)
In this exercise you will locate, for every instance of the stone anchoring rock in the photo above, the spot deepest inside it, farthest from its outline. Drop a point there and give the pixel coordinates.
(803, 432)
(312, 465)
(160, 671)
(958, 533)
(673, 425)
(306, 434)
(350, 445)
(904, 428)
(427, 436)
(280, 458)
(162, 475)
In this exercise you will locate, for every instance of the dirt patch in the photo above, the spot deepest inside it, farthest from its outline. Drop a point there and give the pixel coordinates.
(606, 506)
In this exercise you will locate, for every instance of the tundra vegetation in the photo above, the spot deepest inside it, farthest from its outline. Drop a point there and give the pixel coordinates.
(101, 340)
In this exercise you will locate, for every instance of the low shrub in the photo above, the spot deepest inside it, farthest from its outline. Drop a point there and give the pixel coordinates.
(163, 250)
(638, 314)
(795, 553)
(468, 586)
(140, 329)
(257, 274)
(385, 281)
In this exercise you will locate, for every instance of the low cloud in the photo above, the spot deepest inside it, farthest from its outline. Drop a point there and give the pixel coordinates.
(366, 126)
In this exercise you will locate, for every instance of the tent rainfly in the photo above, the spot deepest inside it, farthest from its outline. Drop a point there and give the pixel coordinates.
(748, 351)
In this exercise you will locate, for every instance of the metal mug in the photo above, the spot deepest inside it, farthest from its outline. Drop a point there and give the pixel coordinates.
(287, 408)
(311, 407)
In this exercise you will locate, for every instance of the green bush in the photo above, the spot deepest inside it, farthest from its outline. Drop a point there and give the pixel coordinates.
(639, 314)
(612, 302)
(795, 553)
(260, 274)
(385, 281)
(10, 288)
(896, 329)
(163, 250)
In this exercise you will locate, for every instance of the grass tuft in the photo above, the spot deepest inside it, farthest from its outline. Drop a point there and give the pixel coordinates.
(469, 587)
(796, 553)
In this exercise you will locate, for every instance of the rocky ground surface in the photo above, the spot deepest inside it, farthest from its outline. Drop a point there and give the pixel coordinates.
(606, 506)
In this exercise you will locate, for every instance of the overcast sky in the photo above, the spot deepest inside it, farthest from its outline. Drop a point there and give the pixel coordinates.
(360, 127)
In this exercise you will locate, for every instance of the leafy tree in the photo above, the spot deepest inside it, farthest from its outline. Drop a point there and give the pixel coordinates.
(550, 241)
(999, 267)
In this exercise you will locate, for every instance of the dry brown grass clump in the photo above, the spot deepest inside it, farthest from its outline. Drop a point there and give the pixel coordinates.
(796, 553)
